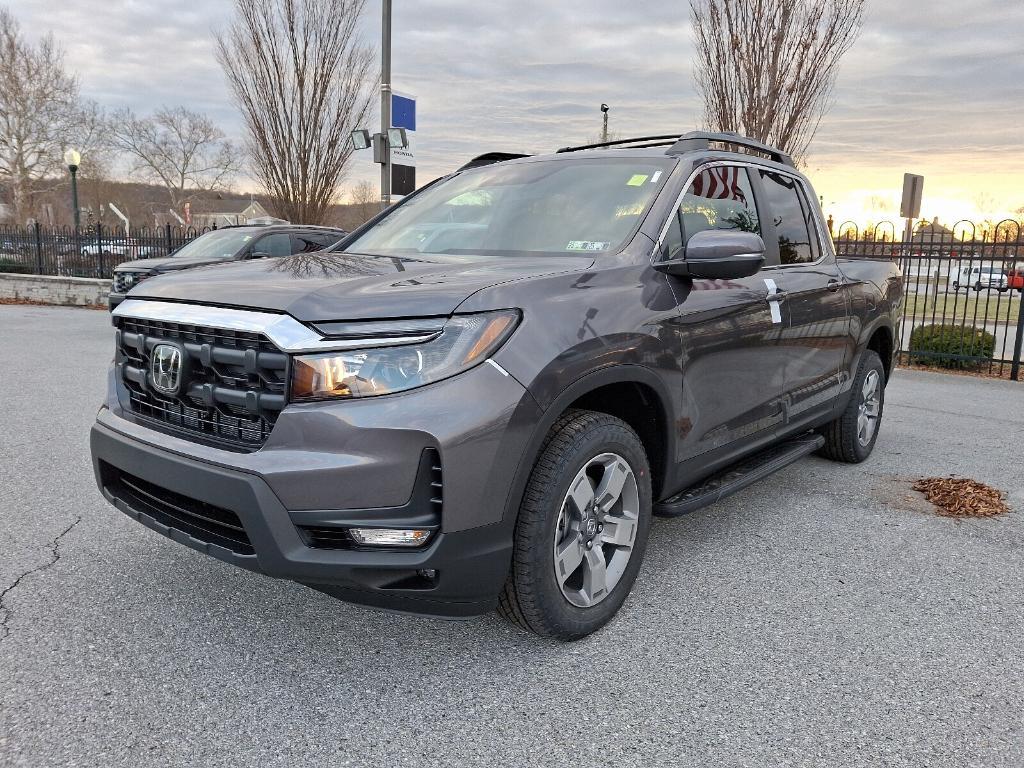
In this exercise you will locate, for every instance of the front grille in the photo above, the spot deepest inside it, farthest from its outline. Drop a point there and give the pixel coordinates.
(202, 521)
(233, 387)
(125, 281)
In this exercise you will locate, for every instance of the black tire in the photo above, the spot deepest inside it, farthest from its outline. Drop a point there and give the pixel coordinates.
(532, 597)
(956, 287)
(842, 439)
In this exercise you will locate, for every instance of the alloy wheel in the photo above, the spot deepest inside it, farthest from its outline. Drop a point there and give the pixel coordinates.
(596, 530)
(870, 408)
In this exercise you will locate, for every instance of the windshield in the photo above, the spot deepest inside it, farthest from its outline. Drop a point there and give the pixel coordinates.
(550, 207)
(219, 245)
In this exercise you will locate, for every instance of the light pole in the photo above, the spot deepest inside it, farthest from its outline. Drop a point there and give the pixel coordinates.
(385, 104)
(604, 129)
(73, 158)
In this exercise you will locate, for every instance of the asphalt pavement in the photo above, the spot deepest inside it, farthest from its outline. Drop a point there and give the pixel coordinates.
(824, 617)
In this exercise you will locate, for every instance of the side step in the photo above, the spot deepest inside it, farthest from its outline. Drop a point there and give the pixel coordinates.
(739, 475)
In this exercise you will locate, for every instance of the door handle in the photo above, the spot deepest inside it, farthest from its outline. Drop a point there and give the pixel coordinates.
(833, 285)
(776, 296)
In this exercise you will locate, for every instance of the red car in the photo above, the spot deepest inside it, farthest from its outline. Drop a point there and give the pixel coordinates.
(1015, 279)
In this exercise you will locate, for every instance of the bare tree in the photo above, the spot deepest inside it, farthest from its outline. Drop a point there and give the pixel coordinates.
(365, 199)
(182, 150)
(301, 76)
(766, 68)
(38, 104)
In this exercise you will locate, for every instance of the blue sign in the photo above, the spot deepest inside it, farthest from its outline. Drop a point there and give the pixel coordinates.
(403, 112)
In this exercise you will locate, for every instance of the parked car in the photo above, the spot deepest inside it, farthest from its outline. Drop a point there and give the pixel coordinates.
(978, 277)
(479, 398)
(224, 245)
(113, 247)
(1015, 279)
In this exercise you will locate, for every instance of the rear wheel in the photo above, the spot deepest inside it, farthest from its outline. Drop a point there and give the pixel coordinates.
(852, 436)
(582, 528)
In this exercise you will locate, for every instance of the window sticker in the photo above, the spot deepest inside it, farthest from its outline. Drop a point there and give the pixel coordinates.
(655, 177)
(586, 245)
(638, 180)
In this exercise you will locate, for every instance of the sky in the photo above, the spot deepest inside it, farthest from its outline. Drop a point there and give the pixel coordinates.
(934, 87)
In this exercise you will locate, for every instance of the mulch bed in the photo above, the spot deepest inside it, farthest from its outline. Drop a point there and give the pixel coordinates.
(960, 497)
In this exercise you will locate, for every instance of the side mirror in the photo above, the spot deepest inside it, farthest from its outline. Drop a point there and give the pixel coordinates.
(258, 255)
(718, 254)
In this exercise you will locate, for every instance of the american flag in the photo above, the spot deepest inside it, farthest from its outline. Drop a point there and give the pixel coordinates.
(722, 183)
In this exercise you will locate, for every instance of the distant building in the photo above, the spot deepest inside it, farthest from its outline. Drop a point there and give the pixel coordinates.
(932, 232)
(222, 213)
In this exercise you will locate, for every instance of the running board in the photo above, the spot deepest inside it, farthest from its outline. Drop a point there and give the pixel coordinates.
(739, 475)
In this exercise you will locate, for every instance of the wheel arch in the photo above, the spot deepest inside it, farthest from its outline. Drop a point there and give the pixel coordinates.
(882, 341)
(632, 393)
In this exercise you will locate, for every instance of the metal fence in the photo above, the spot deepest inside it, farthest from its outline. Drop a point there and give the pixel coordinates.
(92, 252)
(964, 302)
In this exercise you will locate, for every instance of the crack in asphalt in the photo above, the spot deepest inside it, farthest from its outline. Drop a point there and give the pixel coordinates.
(54, 557)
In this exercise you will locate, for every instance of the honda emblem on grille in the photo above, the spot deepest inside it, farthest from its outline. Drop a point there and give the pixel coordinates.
(165, 369)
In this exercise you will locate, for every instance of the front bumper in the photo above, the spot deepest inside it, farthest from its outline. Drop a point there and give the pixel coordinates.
(278, 490)
(113, 299)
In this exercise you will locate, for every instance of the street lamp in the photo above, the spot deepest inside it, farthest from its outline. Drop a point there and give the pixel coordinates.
(604, 129)
(73, 158)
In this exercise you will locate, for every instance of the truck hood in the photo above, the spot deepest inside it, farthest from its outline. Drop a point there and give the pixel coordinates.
(347, 286)
(167, 264)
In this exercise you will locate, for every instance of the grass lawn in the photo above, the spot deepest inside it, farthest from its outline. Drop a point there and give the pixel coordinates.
(1004, 307)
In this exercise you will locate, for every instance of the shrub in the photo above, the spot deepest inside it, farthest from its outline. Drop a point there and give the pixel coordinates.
(947, 346)
(15, 267)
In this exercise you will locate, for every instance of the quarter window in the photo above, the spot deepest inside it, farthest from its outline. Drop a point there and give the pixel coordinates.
(792, 216)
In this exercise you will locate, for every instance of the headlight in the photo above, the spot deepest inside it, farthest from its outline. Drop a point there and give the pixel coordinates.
(465, 341)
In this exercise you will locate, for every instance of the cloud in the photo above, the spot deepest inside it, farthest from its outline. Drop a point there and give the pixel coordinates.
(926, 85)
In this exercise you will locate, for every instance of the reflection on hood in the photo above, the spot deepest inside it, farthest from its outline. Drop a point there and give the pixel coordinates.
(322, 264)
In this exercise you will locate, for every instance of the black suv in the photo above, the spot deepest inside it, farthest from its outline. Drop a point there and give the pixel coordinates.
(221, 245)
(479, 398)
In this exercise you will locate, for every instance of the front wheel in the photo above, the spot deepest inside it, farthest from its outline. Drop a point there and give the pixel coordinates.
(582, 528)
(852, 436)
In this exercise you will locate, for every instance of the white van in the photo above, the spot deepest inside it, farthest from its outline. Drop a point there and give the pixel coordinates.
(979, 277)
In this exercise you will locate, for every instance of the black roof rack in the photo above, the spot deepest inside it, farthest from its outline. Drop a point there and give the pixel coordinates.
(490, 158)
(692, 142)
(639, 142)
(728, 141)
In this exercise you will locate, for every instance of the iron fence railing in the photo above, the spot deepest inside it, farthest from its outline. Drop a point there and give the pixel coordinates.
(964, 297)
(85, 252)
(964, 285)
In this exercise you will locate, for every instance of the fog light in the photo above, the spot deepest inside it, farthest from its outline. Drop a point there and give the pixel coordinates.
(389, 537)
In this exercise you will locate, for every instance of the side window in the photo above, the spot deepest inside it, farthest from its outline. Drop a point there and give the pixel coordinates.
(309, 242)
(276, 244)
(794, 223)
(719, 198)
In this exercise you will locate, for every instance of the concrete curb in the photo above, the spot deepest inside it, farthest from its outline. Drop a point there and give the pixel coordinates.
(46, 289)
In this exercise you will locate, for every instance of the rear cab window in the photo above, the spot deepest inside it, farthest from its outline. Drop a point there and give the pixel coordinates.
(793, 218)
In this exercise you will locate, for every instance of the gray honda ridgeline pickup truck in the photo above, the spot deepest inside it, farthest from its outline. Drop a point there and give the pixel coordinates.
(478, 399)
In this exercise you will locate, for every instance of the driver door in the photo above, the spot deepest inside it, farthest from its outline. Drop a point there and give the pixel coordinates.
(733, 369)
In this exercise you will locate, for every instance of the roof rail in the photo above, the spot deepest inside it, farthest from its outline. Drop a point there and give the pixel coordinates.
(490, 158)
(639, 142)
(730, 142)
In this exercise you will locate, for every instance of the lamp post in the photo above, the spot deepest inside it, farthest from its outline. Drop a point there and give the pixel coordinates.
(73, 158)
(385, 104)
(604, 128)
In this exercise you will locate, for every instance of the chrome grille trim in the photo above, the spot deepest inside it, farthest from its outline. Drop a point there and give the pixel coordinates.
(287, 333)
